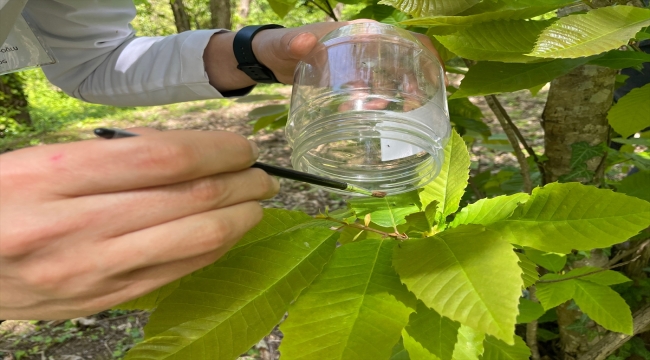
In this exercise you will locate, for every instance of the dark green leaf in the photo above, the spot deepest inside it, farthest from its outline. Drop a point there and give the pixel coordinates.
(637, 185)
(419, 8)
(617, 59)
(549, 261)
(529, 311)
(496, 349)
(437, 334)
(631, 113)
(267, 110)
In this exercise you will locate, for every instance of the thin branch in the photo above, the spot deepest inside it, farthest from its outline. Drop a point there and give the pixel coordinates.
(331, 10)
(589, 273)
(623, 254)
(531, 331)
(512, 138)
(613, 340)
(395, 235)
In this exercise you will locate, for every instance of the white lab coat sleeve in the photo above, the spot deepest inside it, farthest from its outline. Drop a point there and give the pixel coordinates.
(100, 60)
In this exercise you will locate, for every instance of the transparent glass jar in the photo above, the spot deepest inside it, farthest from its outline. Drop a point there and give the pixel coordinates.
(369, 107)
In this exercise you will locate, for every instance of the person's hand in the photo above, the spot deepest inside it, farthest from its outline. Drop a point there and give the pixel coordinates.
(88, 225)
(278, 49)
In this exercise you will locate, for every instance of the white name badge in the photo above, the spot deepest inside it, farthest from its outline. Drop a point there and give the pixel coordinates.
(23, 50)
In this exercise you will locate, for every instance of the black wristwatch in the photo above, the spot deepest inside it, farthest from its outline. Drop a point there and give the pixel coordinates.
(243, 49)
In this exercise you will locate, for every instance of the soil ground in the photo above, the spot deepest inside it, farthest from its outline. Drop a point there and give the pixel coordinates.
(110, 334)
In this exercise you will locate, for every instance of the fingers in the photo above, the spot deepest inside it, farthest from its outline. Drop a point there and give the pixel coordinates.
(211, 232)
(160, 158)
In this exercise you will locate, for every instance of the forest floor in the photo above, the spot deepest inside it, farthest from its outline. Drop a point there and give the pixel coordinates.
(110, 334)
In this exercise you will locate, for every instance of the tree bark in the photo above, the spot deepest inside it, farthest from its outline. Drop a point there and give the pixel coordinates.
(220, 14)
(13, 100)
(181, 19)
(576, 111)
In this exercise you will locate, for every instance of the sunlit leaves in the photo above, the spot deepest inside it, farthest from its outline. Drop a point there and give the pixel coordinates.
(236, 301)
(355, 301)
(549, 261)
(551, 295)
(504, 40)
(489, 77)
(436, 334)
(631, 113)
(487, 211)
(498, 350)
(389, 211)
(562, 217)
(529, 270)
(469, 345)
(604, 305)
(431, 7)
(447, 272)
(636, 185)
(597, 31)
(450, 184)
(529, 311)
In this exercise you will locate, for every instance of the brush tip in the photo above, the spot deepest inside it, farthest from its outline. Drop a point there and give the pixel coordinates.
(378, 194)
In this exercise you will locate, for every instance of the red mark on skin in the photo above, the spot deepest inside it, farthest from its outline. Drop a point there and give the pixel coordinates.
(56, 158)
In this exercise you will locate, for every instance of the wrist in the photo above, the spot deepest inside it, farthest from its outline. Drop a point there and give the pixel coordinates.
(221, 65)
(249, 52)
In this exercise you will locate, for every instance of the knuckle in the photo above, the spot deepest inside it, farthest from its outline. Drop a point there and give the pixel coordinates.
(44, 279)
(215, 233)
(241, 144)
(167, 157)
(207, 190)
(265, 183)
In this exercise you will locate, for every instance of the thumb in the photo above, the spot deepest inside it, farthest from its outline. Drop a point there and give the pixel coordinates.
(300, 44)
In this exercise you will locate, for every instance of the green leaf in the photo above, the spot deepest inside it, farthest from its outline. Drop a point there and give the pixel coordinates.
(549, 261)
(597, 31)
(445, 54)
(493, 10)
(461, 124)
(152, 299)
(237, 300)
(265, 121)
(551, 295)
(617, 59)
(275, 222)
(562, 217)
(487, 211)
(423, 221)
(389, 211)
(464, 108)
(630, 114)
(375, 12)
(644, 34)
(488, 77)
(632, 141)
(636, 185)
(606, 277)
(437, 334)
(267, 110)
(260, 97)
(448, 188)
(529, 270)
(415, 349)
(469, 345)
(496, 349)
(399, 352)
(604, 305)
(281, 7)
(581, 152)
(357, 300)
(502, 40)
(529, 311)
(467, 274)
(419, 8)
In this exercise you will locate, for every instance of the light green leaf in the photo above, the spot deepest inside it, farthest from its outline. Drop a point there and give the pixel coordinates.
(493, 10)
(529, 311)
(444, 53)
(502, 40)
(599, 276)
(237, 300)
(415, 349)
(636, 185)
(562, 217)
(630, 114)
(281, 7)
(597, 31)
(496, 349)
(274, 222)
(529, 270)
(604, 305)
(423, 221)
(467, 274)
(617, 59)
(419, 8)
(549, 261)
(487, 211)
(488, 77)
(469, 345)
(357, 300)
(399, 352)
(265, 121)
(450, 184)
(551, 295)
(437, 334)
(389, 211)
(267, 110)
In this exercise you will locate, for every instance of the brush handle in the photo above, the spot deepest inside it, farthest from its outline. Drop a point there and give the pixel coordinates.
(300, 176)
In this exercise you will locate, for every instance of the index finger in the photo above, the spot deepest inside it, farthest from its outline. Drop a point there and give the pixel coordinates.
(163, 158)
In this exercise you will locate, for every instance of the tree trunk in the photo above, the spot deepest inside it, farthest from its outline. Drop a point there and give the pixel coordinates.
(244, 9)
(576, 111)
(220, 14)
(13, 100)
(181, 19)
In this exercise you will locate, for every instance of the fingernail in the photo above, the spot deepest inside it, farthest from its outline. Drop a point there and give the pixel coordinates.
(276, 184)
(256, 150)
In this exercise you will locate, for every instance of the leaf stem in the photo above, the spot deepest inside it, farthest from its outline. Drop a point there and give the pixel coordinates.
(587, 274)
(395, 235)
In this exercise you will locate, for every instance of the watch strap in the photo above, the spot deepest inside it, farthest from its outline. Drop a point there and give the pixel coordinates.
(243, 50)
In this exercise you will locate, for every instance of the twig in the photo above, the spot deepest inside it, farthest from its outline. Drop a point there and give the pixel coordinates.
(512, 138)
(326, 11)
(331, 10)
(395, 235)
(623, 254)
(531, 331)
(613, 340)
(587, 274)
